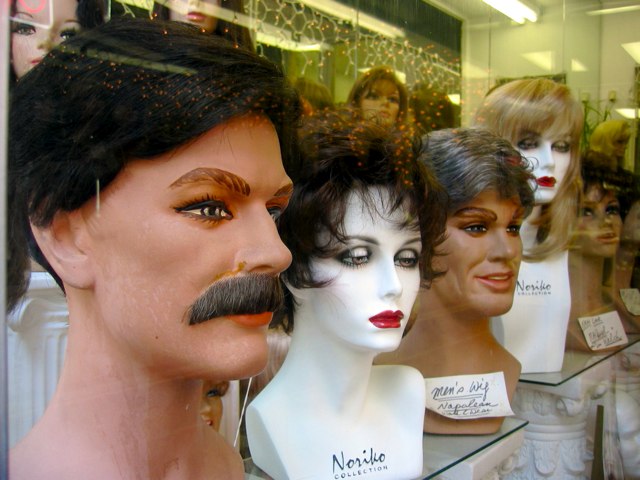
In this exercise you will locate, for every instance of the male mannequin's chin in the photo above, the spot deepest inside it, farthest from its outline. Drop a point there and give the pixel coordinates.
(250, 353)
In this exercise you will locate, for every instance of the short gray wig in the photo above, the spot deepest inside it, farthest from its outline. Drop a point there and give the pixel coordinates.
(469, 161)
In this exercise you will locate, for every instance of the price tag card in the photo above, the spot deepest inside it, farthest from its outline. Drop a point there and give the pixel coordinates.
(468, 396)
(603, 331)
(631, 299)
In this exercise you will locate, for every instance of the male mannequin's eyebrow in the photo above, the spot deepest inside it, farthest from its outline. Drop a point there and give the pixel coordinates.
(285, 191)
(476, 212)
(224, 178)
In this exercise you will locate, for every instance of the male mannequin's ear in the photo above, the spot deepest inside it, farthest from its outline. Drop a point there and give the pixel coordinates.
(62, 244)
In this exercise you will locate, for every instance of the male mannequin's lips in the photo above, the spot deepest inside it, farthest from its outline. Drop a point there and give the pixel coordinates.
(547, 182)
(498, 281)
(252, 320)
(387, 319)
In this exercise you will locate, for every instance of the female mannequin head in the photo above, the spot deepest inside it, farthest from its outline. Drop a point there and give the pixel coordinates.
(490, 192)
(610, 138)
(358, 177)
(379, 95)
(543, 121)
(202, 14)
(599, 226)
(34, 32)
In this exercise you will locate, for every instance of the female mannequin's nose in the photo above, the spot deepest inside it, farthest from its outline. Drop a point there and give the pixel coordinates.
(545, 157)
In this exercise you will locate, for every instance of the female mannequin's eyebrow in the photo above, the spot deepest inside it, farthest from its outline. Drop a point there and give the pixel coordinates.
(224, 178)
(373, 241)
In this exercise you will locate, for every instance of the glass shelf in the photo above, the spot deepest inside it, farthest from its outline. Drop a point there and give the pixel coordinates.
(441, 452)
(574, 364)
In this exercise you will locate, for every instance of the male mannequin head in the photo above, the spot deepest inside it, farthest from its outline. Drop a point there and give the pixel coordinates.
(146, 171)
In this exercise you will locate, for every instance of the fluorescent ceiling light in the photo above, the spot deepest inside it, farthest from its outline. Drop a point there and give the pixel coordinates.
(455, 98)
(609, 11)
(633, 49)
(630, 113)
(356, 17)
(516, 10)
(286, 44)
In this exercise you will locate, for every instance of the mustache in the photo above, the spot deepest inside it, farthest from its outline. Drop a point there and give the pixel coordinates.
(243, 295)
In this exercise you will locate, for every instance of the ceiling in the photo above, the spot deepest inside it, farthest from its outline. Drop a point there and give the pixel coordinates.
(477, 10)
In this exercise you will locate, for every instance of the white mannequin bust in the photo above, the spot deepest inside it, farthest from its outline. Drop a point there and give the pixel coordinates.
(543, 120)
(535, 328)
(328, 411)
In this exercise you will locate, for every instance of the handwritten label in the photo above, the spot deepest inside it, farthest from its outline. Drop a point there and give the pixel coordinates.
(468, 396)
(631, 299)
(603, 331)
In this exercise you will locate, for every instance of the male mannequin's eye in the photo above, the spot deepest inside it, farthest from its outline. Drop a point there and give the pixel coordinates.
(355, 257)
(514, 229)
(406, 259)
(275, 212)
(476, 228)
(207, 210)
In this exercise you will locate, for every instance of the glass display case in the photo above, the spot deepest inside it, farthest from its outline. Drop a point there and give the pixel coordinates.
(456, 51)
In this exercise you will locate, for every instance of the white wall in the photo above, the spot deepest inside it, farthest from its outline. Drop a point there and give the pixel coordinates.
(564, 40)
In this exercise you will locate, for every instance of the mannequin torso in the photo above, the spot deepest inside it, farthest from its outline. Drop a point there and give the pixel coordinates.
(308, 423)
(443, 344)
(534, 330)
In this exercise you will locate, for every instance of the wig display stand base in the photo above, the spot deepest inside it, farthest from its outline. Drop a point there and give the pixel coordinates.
(560, 409)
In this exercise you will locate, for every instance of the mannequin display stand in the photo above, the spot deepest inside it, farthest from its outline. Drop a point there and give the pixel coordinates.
(558, 407)
(457, 457)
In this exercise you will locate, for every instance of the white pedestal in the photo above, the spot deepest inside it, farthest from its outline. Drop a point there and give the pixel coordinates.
(36, 342)
(558, 440)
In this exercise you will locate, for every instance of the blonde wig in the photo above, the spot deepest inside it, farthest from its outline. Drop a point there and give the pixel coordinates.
(540, 105)
(605, 136)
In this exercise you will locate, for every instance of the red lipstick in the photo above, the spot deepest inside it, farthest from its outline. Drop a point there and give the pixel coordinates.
(546, 182)
(387, 319)
(196, 17)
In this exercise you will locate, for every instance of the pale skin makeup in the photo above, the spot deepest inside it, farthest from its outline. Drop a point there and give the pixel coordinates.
(327, 385)
(481, 258)
(374, 280)
(599, 224)
(551, 156)
(37, 27)
(381, 103)
(196, 12)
